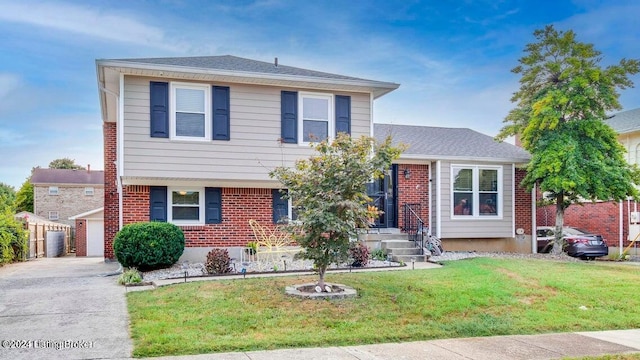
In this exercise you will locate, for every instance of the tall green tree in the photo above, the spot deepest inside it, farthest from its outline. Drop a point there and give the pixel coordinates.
(561, 105)
(24, 196)
(329, 192)
(65, 163)
(7, 196)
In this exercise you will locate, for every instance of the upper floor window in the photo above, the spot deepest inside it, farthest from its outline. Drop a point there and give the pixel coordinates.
(53, 190)
(190, 115)
(53, 215)
(316, 120)
(475, 191)
(88, 191)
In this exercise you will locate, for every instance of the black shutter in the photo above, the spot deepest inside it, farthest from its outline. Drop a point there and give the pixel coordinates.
(158, 203)
(289, 113)
(221, 116)
(343, 114)
(159, 109)
(213, 205)
(280, 206)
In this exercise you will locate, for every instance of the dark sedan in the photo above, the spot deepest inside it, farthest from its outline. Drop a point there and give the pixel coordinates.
(577, 242)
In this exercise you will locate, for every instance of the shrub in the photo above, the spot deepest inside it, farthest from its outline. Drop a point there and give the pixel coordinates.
(359, 253)
(148, 245)
(218, 262)
(378, 254)
(14, 240)
(130, 276)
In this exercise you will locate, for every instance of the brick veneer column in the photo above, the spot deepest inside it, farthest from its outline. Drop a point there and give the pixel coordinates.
(111, 222)
(414, 190)
(523, 204)
(81, 237)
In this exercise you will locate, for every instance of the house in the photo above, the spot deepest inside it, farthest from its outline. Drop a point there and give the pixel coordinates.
(61, 193)
(618, 222)
(464, 185)
(192, 140)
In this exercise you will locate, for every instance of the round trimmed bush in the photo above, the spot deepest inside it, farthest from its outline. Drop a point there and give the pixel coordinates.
(148, 245)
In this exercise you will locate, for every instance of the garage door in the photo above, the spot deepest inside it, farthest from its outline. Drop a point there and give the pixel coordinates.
(95, 237)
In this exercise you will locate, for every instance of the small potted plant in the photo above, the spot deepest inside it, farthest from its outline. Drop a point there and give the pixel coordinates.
(252, 247)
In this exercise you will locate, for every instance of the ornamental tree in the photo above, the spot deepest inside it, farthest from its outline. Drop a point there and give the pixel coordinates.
(560, 110)
(328, 190)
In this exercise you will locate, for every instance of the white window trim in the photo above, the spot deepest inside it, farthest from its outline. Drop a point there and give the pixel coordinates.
(200, 221)
(331, 114)
(54, 215)
(207, 110)
(475, 193)
(53, 190)
(89, 191)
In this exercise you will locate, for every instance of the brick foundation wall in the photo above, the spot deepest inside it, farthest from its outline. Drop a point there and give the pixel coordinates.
(111, 222)
(81, 237)
(239, 205)
(414, 190)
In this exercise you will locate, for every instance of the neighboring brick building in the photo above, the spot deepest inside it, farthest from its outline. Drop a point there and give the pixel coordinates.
(59, 194)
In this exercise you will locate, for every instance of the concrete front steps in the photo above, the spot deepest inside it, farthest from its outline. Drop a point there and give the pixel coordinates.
(394, 243)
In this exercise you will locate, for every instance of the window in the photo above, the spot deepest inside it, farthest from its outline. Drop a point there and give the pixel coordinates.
(186, 206)
(316, 119)
(190, 111)
(53, 215)
(475, 191)
(53, 190)
(88, 191)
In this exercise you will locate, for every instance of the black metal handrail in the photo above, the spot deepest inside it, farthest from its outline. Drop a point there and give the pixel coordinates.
(413, 225)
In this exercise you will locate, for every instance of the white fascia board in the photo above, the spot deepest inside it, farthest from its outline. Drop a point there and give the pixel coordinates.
(85, 214)
(462, 158)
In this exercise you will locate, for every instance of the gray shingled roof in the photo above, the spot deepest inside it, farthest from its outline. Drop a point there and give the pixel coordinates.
(234, 63)
(438, 143)
(65, 176)
(626, 121)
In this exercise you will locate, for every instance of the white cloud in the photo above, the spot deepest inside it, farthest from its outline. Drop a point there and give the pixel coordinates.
(8, 83)
(87, 21)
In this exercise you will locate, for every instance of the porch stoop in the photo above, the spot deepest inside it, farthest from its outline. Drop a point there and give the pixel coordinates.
(394, 243)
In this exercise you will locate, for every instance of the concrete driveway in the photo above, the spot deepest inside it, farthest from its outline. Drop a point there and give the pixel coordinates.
(62, 308)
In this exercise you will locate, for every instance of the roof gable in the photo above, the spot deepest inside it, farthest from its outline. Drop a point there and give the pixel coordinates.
(439, 143)
(67, 176)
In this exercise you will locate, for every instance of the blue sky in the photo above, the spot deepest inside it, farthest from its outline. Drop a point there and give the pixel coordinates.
(452, 58)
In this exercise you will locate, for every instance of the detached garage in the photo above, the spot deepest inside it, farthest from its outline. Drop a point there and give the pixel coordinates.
(90, 233)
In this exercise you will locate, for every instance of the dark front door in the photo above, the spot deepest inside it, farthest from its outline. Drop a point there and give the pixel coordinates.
(382, 192)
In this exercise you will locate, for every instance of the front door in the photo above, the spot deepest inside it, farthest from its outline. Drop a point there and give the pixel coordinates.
(382, 192)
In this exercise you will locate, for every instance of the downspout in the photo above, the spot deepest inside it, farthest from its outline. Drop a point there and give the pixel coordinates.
(534, 221)
(620, 236)
(438, 200)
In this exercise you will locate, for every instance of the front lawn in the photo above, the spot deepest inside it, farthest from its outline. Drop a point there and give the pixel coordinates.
(474, 297)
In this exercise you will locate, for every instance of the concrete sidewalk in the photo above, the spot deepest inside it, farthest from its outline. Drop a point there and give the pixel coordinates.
(515, 347)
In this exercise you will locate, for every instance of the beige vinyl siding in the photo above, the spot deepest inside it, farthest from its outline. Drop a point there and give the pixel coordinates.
(253, 150)
(477, 228)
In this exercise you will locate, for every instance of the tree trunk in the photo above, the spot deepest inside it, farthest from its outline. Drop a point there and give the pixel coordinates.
(322, 270)
(558, 241)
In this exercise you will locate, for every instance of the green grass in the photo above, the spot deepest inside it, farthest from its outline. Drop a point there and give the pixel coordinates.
(477, 297)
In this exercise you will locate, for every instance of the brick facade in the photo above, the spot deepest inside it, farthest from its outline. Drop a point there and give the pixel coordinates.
(111, 221)
(81, 237)
(523, 207)
(71, 200)
(414, 190)
(238, 207)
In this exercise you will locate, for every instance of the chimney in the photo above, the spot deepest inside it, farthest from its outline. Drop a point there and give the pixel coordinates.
(89, 168)
(275, 62)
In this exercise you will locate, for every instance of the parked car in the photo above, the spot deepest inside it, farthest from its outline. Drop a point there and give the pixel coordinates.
(577, 242)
